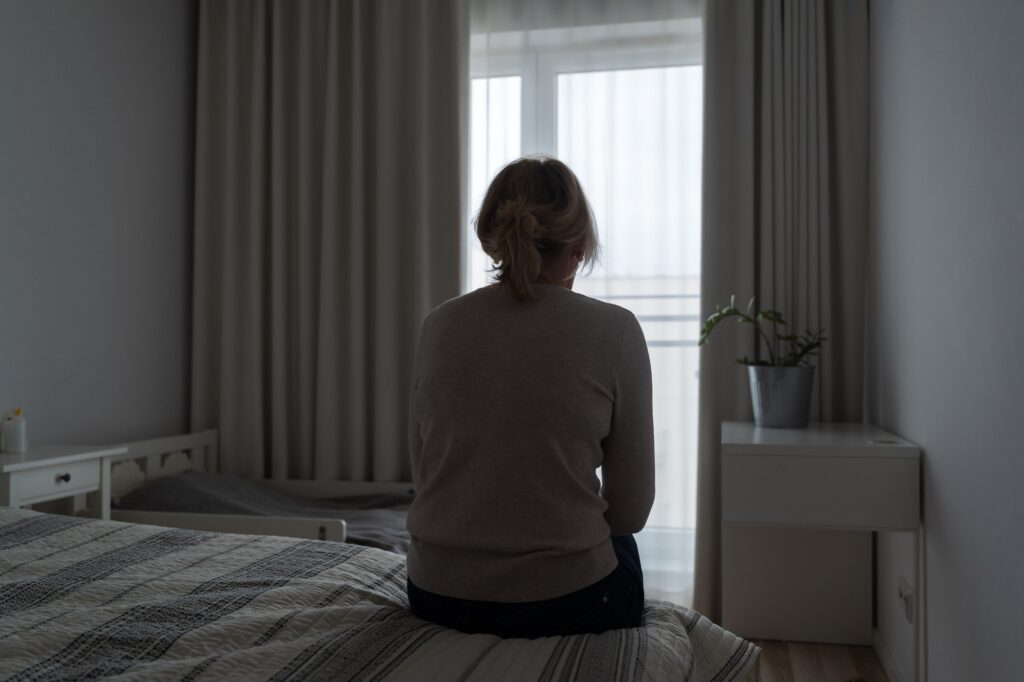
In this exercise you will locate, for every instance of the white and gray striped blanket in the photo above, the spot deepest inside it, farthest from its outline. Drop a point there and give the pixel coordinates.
(81, 598)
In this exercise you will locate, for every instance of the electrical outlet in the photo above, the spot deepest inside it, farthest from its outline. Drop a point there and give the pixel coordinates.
(906, 594)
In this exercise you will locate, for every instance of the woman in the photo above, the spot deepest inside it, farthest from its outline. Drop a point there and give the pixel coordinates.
(521, 391)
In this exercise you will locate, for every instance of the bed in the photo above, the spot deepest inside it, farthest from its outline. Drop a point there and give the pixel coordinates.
(83, 598)
(172, 482)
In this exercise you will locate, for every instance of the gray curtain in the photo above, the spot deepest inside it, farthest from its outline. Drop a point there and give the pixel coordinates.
(328, 219)
(785, 210)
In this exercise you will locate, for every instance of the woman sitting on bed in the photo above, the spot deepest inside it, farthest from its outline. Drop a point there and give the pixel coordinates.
(521, 391)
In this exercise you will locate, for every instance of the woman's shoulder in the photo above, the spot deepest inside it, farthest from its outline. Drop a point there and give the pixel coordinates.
(459, 307)
(470, 299)
(596, 308)
(600, 307)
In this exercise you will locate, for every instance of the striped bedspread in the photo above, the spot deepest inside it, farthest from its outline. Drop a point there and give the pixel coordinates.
(81, 598)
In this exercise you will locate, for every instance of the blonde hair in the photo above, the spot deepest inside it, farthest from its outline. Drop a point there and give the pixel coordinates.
(534, 208)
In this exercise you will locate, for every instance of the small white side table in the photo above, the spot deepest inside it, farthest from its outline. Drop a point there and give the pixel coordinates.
(798, 510)
(53, 472)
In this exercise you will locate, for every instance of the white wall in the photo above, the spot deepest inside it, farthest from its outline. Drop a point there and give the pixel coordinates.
(947, 334)
(96, 148)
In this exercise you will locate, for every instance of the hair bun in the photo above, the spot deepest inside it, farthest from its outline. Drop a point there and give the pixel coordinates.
(515, 214)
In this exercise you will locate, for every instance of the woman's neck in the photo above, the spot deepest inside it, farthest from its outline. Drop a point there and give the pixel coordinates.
(559, 271)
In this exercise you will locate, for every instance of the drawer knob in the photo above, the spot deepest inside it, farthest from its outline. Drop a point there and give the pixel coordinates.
(64, 477)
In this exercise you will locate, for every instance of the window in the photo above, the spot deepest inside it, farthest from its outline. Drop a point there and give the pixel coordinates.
(622, 107)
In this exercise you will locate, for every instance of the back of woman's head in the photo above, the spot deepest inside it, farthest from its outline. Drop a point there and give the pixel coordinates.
(534, 210)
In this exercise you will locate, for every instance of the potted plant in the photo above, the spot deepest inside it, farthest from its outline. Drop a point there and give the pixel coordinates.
(780, 387)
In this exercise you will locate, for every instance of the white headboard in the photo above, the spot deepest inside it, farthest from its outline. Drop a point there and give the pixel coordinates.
(150, 459)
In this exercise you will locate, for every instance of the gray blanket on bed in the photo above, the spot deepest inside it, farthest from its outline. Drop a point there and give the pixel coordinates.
(372, 520)
(82, 599)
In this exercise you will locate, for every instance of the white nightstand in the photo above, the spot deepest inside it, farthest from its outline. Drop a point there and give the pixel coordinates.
(53, 472)
(798, 510)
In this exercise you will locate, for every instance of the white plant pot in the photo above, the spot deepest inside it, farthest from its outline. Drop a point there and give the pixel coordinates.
(781, 396)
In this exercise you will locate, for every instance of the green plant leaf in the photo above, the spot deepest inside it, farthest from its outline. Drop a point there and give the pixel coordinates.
(773, 316)
(804, 348)
(716, 318)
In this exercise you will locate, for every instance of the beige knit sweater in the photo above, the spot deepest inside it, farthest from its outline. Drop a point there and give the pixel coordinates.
(515, 406)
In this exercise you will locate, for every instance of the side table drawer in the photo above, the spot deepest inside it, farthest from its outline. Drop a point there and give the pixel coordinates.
(804, 490)
(47, 483)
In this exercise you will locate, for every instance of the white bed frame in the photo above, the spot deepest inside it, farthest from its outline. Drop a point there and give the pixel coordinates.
(150, 459)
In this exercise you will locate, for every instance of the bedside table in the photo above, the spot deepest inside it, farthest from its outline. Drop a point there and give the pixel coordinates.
(53, 472)
(798, 510)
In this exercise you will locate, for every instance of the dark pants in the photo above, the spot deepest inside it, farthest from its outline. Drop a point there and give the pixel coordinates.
(616, 601)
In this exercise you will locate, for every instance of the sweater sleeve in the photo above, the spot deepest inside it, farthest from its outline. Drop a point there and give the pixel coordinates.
(628, 468)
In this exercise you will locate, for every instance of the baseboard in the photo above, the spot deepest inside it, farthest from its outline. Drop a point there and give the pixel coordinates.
(885, 657)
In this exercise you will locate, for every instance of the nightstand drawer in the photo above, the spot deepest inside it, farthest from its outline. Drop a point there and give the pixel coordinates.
(59, 480)
(807, 490)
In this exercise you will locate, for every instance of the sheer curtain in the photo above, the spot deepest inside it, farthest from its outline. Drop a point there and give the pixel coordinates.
(614, 90)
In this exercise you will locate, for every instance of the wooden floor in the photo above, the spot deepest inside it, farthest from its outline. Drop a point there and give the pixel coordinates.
(798, 662)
